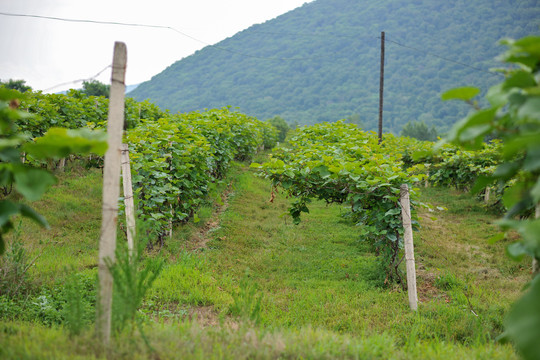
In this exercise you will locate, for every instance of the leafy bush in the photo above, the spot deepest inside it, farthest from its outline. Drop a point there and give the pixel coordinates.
(281, 126)
(513, 116)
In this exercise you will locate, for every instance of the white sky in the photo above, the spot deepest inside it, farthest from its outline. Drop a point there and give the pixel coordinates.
(46, 53)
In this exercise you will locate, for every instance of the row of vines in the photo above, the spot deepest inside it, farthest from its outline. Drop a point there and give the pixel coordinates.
(496, 148)
(174, 157)
(340, 163)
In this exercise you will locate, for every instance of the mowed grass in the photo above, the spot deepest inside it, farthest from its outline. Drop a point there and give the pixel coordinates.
(261, 287)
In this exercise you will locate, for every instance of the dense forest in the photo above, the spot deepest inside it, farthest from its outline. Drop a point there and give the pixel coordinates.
(320, 62)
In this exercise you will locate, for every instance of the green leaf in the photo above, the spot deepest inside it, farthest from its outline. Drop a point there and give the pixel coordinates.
(513, 194)
(519, 79)
(7, 209)
(481, 183)
(463, 93)
(31, 182)
(535, 191)
(529, 231)
(421, 154)
(60, 142)
(394, 211)
(530, 109)
(532, 160)
(496, 238)
(475, 132)
(517, 251)
(525, 51)
(477, 125)
(506, 170)
(523, 322)
(519, 143)
(30, 213)
(322, 170)
(496, 96)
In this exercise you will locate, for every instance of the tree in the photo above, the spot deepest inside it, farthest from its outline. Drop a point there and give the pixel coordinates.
(96, 88)
(19, 85)
(419, 130)
(282, 127)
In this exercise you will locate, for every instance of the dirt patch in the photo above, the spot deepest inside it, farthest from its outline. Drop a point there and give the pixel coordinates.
(201, 237)
(206, 316)
(427, 291)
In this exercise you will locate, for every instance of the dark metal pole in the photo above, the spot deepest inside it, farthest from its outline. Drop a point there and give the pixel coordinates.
(381, 88)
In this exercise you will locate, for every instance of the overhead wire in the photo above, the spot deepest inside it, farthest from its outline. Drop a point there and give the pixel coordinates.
(441, 57)
(155, 27)
(80, 80)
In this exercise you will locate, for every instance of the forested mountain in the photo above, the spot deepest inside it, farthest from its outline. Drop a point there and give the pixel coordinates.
(320, 62)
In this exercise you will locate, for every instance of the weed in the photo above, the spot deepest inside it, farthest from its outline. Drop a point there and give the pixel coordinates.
(247, 300)
(447, 281)
(133, 277)
(14, 266)
(79, 307)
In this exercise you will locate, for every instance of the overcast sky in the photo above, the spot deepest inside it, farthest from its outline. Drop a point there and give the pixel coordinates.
(47, 52)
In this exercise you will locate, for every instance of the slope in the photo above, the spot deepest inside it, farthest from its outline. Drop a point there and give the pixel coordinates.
(320, 62)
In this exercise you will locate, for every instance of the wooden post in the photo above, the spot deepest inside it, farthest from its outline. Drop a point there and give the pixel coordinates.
(381, 89)
(487, 194)
(409, 248)
(128, 198)
(61, 164)
(111, 191)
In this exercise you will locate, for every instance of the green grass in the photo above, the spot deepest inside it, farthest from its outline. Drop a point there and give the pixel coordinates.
(320, 286)
(190, 340)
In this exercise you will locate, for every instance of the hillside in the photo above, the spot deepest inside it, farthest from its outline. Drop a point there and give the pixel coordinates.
(320, 62)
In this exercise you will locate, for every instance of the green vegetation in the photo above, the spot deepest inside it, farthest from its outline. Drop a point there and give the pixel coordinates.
(336, 71)
(246, 278)
(26, 181)
(282, 127)
(420, 131)
(176, 158)
(339, 163)
(19, 85)
(513, 116)
(96, 88)
(262, 287)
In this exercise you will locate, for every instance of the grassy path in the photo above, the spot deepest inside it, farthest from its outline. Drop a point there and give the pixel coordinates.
(247, 283)
(319, 274)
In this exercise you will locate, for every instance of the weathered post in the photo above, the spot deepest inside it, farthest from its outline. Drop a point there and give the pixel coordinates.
(409, 247)
(111, 191)
(128, 198)
(487, 195)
